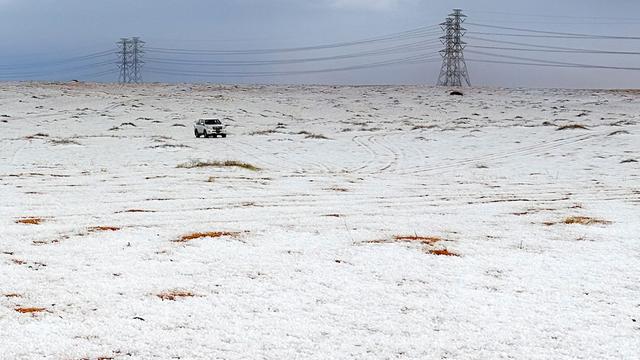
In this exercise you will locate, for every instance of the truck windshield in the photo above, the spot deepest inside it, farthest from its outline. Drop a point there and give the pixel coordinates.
(212, 122)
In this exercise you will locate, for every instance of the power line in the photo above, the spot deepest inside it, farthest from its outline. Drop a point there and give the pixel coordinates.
(405, 35)
(556, 16)
(574, 51)
(576, 35)
(413, 47)
(46, 73)
(529, 44)
(57, 62)
(560, 63)
(407, 60)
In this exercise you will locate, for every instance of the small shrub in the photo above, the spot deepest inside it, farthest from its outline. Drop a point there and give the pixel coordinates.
(316, 136)
(200, 235)
(572, 126)
(442, 252)
(36, 136)
(29, 310)
(619, 132)
(338, 189)
(228, 163)
(263, 132)
(173, 295)
(426, 240)
(64, 142)
(584, 220)
(30, 221)
(103, 228)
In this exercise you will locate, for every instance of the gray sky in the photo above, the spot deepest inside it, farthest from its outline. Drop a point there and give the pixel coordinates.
(42, 31)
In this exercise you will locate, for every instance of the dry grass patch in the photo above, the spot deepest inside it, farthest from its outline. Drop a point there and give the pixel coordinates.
(103, 228)
(201, 235)
(36, 136)
(30, 220)
(137, 211)
(264, 132)
(585, 220)
(173, 295)
(337, 189)
(442, 252)
(619, 132)
(426, 240)
(29, 310)
(228, 163)
(572, 127)
(316, 136)
(64, 142)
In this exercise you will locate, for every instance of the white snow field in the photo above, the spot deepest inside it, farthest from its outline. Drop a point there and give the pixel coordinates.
(334, 247)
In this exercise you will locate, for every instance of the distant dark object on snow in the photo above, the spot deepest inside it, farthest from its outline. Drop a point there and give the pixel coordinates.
(456, 93)
(572, 126)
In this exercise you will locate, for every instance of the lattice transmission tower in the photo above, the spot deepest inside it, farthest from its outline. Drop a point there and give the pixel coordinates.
(137, 50)
(454, 69)
(123, 60)
(130, 60)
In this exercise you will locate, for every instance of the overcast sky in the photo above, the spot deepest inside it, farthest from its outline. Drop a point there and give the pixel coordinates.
(43, 31)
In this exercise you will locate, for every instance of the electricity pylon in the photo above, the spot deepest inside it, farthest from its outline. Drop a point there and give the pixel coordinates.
(454, 69)
(137, 50)
(130, 61)
(123, 61)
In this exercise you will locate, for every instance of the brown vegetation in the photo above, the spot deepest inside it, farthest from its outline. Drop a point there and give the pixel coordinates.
(442, 252)
(426, 240)
(30, 220)
(29, 310)
(584, 220)
(103, 228)
(200, 235)
(173, 295)
(227, 163)
(572, 126)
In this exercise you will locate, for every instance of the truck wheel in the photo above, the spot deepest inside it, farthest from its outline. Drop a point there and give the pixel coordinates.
(224, 135)
(196, 133)
(215, 135)
(205, 134)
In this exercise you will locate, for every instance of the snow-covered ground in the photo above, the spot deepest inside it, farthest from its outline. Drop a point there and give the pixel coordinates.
(94, 202)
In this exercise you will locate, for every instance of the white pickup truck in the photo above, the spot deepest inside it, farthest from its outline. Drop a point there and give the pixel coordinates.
(209, 127)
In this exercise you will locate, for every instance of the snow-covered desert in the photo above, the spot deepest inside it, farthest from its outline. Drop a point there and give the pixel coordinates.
(373, 222)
